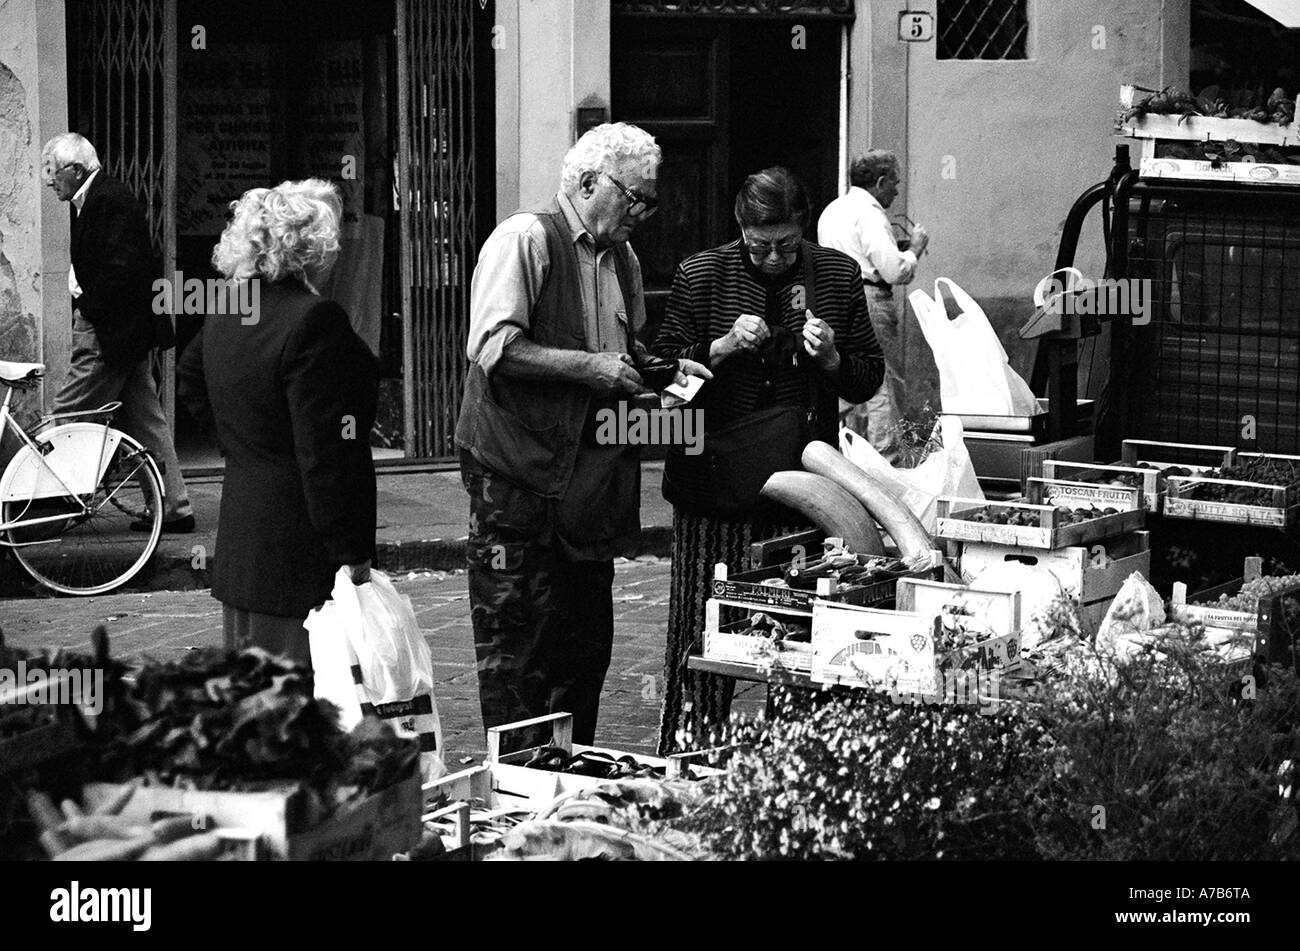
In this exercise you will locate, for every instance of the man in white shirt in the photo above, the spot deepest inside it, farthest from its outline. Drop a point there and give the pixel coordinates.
(856, 224)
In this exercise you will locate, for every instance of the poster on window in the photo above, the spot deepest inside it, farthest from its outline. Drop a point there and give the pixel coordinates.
(226, 129)
(333, 142)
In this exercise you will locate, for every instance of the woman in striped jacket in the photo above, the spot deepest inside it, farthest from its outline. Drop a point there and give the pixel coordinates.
(739, 309)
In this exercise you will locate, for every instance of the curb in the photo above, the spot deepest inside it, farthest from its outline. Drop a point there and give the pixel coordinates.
(447, 554)
(177, 573)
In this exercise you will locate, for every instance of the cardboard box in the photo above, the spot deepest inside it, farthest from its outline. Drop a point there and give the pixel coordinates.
(895, 651)
(373, 829)
(1092, 573)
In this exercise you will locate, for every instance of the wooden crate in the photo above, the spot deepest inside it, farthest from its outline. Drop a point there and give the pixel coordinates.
(1047, 533)
(1073, 494)
(1270, 625)
(1201, 128)
(1092, 473)
(998, 610)
(1202, 609)
(894, 650)
(373, 829)
(1282, 512)
(1090, 573)
(511, 778)
(1163, 455)
(729, 644)
(746, 587)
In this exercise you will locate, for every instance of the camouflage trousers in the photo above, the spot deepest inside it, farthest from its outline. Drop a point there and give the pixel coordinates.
(543, 624)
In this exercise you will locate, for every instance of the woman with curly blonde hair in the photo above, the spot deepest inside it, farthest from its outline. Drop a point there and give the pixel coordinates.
(293, 393)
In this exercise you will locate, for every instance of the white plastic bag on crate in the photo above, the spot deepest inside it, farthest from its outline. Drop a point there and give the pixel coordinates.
(370, 657)
(946, 471)
(975, 378)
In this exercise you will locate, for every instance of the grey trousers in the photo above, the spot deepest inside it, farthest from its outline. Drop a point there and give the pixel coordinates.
(284, 636)
(91, 383)
(877, 418)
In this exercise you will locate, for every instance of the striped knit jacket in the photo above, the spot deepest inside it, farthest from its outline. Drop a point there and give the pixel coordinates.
(711, 289)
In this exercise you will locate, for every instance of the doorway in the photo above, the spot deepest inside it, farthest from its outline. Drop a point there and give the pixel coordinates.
(724, 97)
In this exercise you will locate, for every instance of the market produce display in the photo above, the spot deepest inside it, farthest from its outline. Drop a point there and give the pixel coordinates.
(71, 835)
(1279, 472)
(957, 628)
(828, 505)
(591, 763)
(898, 520)
(215, 720)
(995, 515)
(1257, 105)
(847, 568)
(1254, 591)
(764, 625)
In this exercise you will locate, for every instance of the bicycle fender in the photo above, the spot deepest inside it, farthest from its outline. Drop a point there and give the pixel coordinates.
(78, 456)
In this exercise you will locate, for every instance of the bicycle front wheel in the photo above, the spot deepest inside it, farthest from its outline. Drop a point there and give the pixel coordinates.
(96, 550)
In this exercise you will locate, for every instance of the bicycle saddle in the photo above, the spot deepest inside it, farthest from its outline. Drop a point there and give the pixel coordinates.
(20, 372)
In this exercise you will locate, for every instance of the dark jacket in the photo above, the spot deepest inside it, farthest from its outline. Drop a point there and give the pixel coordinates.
(293, 399)
(113, 256)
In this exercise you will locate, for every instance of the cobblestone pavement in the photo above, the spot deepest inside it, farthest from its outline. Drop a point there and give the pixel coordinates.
(165, 623)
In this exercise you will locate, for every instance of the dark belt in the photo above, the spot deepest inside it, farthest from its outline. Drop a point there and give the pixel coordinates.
(883, 285)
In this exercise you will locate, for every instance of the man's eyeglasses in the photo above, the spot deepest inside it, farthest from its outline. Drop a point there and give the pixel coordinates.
(761, 249)
(638, 205)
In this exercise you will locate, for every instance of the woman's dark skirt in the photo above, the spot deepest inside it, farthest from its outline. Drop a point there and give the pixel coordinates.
(696, 706)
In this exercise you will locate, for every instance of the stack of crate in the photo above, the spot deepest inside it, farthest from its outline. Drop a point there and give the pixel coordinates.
(1089, 560)
(745, 592)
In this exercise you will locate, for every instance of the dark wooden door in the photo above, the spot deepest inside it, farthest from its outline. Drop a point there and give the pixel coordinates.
(724, 97)
(671, 82)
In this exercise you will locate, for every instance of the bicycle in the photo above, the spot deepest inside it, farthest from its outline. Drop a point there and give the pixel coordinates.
(69, 496)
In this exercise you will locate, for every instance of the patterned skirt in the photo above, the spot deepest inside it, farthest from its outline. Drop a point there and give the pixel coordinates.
(696, 706)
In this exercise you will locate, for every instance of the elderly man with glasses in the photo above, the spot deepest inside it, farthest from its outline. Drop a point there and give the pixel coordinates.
(555, 305)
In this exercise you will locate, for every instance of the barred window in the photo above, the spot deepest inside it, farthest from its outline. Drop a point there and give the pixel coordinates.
(982, 29)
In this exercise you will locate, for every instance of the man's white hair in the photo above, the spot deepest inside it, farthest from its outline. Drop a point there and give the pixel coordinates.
(610, 148)
(69, 148)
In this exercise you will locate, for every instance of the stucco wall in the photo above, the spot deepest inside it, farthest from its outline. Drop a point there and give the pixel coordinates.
(555, 58)
(1019, 141)
(34, 307)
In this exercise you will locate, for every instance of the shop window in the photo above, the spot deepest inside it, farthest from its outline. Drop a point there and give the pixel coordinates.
(982, 29)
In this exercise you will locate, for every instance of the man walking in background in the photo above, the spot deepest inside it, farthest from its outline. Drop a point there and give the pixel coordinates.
(856, 224)
(115, 328)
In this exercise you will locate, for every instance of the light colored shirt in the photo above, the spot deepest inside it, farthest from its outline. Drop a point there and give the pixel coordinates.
(508, 279)
(856, 224)
(78, 200)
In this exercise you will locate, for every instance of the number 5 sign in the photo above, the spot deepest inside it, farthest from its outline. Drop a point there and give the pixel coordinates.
(916, 27)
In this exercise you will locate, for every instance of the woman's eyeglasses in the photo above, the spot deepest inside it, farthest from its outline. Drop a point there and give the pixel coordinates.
(761, 249)
(638, 205)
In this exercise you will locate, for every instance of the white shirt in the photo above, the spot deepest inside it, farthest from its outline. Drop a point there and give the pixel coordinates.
(856, 224)
(508, 281)
(78, 200)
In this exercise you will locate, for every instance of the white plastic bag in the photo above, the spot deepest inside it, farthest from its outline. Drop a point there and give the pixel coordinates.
(369, 656)
(946, 471)
(975, 378)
